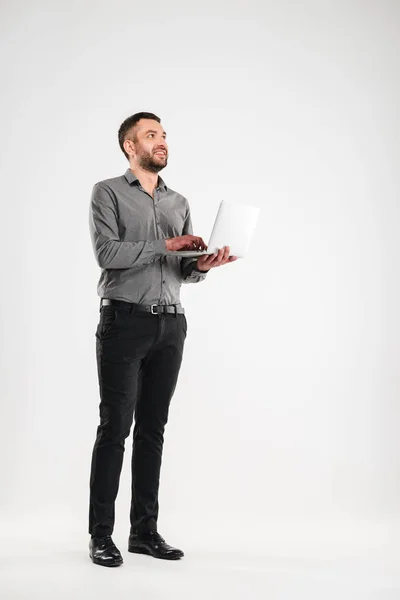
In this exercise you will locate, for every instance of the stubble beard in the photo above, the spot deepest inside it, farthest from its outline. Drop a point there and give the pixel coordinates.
(147, 162)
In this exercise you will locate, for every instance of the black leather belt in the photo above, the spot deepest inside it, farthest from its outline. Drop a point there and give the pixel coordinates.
(154, 309)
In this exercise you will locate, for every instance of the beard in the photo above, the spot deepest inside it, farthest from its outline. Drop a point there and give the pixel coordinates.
(151, 163)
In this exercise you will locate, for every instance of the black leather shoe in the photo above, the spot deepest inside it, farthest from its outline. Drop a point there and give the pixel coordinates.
(152, 543)
(103, 551)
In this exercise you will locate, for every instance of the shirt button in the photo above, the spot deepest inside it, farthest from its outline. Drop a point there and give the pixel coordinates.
(163, 280)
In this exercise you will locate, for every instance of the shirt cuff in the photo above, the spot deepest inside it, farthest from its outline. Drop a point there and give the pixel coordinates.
(160, 247)
(200, 272)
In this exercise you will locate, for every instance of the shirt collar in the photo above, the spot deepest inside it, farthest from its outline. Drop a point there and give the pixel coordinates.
(131, 178)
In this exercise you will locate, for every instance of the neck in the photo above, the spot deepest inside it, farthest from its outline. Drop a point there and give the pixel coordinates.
(148, 180)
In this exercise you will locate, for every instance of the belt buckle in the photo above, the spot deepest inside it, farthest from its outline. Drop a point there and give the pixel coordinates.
(151, 309)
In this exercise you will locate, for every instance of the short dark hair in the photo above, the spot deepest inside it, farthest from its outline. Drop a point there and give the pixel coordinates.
(130, 122)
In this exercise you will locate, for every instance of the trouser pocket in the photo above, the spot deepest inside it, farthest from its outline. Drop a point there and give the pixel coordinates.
(108, 317)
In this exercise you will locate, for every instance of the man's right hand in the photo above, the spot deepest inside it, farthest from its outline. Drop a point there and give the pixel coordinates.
(186, 242)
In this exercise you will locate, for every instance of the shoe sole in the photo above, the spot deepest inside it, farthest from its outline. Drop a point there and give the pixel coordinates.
(142, 550)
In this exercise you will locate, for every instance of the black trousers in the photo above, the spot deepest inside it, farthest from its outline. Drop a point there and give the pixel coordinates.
(138, 359)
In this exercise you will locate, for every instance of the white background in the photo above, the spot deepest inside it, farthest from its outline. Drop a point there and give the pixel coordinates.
(283, 429)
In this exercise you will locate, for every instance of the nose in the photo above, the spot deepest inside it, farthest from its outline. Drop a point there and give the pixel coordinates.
(162, 146)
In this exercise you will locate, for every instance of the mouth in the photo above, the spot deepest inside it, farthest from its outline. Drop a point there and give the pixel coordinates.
(160, 153)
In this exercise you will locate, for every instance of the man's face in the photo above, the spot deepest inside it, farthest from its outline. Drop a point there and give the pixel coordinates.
(150, 146)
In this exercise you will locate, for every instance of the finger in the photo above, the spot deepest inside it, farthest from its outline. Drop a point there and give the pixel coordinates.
(200, 243)
(219, 258)
(211, 258)
(221, 254)
(204, 260)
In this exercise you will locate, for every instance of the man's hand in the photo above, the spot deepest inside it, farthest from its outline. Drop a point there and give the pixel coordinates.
(186, 242)
(209, 261)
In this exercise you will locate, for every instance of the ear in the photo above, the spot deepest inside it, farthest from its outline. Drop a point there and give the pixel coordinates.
(129, 147)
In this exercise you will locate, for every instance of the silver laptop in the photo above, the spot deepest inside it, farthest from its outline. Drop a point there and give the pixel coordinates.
(234, 227)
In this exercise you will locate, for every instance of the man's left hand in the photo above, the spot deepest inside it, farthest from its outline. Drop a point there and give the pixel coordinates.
(209, 261)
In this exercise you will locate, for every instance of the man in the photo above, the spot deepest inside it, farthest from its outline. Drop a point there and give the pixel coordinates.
(134, 220)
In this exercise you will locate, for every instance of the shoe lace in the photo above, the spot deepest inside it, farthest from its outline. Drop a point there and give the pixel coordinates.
(157, 537)
(106, 541)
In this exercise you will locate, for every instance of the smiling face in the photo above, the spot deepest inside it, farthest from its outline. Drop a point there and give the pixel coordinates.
(147, 145)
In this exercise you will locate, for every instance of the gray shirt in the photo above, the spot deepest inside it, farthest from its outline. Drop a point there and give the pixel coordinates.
(128, 231)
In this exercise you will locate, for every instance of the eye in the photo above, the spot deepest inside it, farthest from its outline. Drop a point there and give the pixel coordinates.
(150, 134)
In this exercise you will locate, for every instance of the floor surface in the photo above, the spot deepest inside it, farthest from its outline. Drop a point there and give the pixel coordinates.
(53, 567)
